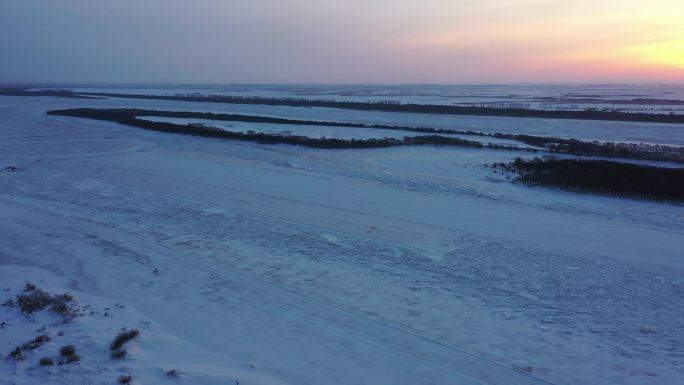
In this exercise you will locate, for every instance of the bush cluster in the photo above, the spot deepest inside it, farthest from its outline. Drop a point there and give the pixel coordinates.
(35, 299)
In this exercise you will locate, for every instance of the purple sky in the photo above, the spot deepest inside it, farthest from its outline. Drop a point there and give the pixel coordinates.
(342, 41)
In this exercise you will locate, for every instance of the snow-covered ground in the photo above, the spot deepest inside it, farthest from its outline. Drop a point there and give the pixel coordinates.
(257, 264)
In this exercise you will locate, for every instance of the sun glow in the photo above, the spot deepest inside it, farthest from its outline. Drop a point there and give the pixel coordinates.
(667, 53)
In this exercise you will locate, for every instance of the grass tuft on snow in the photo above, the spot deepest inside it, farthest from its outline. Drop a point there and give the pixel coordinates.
(18, 353)
(124, 337)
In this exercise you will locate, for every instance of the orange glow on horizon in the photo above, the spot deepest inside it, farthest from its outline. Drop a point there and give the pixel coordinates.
(613, 40)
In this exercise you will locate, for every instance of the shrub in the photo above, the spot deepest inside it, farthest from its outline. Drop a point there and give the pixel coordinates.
(37, 342)
(67, 350)
(123, 337)
(125, 379)
(36, 300)
(60, 304)
(60, 307)
(18, 353)
(69, 354)
(72, 358)
(46, 361)
(119, 353)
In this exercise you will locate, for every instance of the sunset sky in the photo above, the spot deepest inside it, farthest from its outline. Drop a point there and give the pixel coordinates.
(342, 41)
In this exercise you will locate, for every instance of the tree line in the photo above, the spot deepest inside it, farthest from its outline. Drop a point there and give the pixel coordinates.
(640, 151)
(600, 176)
(57, 93)
(130, 117)
(552, 144)
(393, 106)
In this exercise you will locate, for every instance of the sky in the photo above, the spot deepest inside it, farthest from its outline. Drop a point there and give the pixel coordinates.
(342, 41)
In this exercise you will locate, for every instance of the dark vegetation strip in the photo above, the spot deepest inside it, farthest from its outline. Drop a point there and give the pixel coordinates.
(592, 100)
(389, 106)
(57, 93)
(130, 117)
(600, 176)
(640, 151)
(552, 144)
(301, 122)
